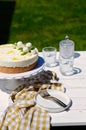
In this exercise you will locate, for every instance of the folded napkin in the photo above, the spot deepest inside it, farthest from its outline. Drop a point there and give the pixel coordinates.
(23, 114)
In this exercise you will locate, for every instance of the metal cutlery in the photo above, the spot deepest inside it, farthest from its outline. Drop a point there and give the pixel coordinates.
(46, 95)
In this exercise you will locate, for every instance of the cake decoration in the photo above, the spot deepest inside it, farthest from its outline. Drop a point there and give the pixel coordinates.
(18, 57)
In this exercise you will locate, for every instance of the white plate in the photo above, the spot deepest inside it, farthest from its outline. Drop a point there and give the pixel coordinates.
(51, 106)
(34, 71)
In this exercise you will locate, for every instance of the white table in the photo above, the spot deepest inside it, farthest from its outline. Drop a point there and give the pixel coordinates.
(76, 89)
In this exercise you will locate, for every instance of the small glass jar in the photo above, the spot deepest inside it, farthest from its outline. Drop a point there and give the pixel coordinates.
(66, 56)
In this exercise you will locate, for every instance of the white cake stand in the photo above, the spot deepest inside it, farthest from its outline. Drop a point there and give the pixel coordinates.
(11, 81)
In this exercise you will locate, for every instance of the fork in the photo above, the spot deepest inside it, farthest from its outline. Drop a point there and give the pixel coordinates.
(46, 95)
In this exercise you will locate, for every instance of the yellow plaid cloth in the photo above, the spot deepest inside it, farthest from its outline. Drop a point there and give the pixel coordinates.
(23, 114)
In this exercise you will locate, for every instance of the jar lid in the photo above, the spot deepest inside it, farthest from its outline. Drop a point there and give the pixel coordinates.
(66, 41)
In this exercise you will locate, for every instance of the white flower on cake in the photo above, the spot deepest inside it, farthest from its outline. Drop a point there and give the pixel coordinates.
(34, 51)
(19, 44)
(25, 49)
(28, 44)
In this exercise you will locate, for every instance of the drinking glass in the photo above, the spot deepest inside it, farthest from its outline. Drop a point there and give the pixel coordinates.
(49, 54)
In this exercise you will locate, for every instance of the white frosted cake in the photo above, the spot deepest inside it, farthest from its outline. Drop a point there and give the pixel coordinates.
(18, 57)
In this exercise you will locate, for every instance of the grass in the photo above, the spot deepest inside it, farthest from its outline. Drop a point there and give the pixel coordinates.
(46, 23)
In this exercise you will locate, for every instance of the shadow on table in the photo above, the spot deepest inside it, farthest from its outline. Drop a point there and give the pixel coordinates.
(65, 127)
(76, 71)
(76, 55)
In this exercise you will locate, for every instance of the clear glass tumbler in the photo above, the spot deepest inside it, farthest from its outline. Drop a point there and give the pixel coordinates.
(49, 54)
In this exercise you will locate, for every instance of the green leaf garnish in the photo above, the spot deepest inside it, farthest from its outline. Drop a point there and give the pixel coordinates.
(23, 53)
(21, 49)
(31, 48)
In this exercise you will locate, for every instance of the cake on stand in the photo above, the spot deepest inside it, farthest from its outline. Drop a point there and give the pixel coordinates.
(8, 82)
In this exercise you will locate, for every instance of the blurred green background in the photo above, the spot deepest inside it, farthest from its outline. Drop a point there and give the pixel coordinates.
(47, 22)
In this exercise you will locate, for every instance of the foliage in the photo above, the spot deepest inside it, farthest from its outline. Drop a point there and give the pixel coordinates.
(46, 23)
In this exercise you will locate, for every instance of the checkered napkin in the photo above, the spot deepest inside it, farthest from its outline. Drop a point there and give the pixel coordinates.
(23, 114)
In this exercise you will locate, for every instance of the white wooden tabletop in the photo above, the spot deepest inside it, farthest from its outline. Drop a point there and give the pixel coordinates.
(75, 86)
(76, 89)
